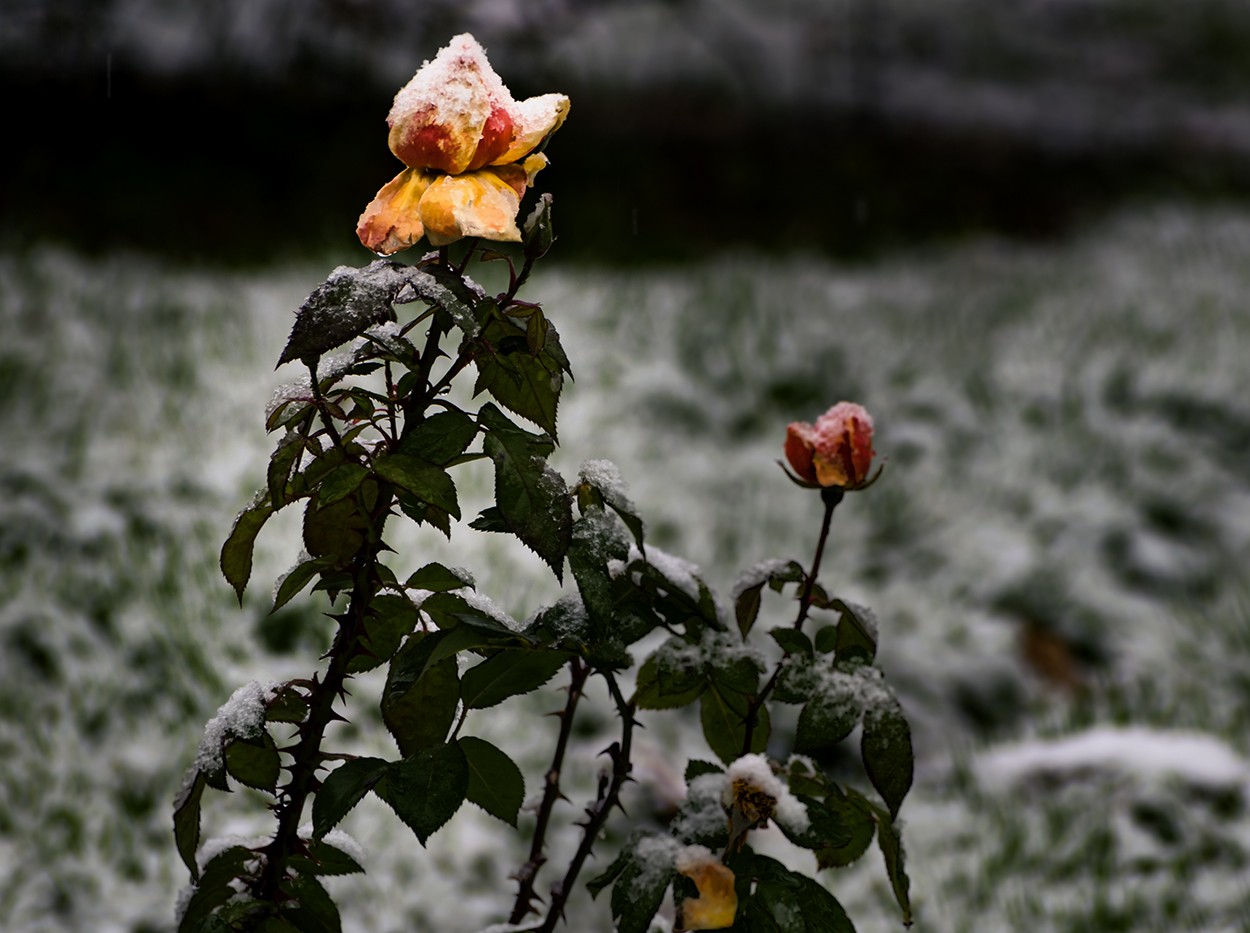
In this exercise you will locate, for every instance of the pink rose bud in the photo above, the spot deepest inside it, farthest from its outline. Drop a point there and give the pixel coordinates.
(835, 451)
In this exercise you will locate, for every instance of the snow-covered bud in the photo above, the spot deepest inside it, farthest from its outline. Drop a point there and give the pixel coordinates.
(835, 451)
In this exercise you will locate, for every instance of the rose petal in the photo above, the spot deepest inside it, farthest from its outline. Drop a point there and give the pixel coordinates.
(533, 120)
(454, 114)
(391, 221)
(717, 903)
(799, 450)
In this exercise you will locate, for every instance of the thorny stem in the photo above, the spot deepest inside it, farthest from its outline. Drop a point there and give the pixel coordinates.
(597, 814)
(307, 753)
(526, 874)
(831, 496)
(322, 408)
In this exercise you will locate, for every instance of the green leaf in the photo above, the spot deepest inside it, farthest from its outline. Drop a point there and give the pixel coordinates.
(532, 498)
(600, 483)
(538, 233)
(597, 539)
(825, 827)
(722, 713)
(426, 789)
(826, 641)
(639, 888)
(886, 749)
(792, 641)
(325, 859)
(525, 382)
(830, 715)
(295, 581)
(335, 532)
(788, 902)
(187, 820)
(438, 579)
(419, 654)
(495, 782)
(695, 768)
(426, 481)
(747, 602)
(440, 438)
(345, 787)
(341, 482)
(445, 289)
(344, 306)
(510, 672)
(597, 884)
(314, 911)
(419, 714)
(747, 607)
(214, 888)
(664, 682)
(856, 633)
(236, 553)
(858, 821)
(287, 705)
(492, 520)
(254, 762)
(891, 844)
(281, 463)
(390, 618)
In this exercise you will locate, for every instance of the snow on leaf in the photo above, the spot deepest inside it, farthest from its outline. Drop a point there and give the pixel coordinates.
(344, 306)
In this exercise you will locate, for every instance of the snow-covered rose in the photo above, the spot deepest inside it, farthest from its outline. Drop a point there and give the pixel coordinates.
(470, 152)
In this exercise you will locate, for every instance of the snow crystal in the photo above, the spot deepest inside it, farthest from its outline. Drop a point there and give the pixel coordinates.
(691, 858)
(242, 716)
(654, 856)
(756, 575)
(702, 816)
(605, 476)
(756, 772)
(448, 83)
(1150, 755)
(484, 604)
(602, 531)
(340, 840)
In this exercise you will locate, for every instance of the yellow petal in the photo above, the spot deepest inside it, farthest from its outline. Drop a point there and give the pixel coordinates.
(717, 903)
(455, 113)
(392, 221)
(482, 203)
(533, 121)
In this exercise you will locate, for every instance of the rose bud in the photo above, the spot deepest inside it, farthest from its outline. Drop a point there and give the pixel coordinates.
(835, 451)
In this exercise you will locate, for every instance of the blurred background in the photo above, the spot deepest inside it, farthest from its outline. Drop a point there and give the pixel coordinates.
(1016, 231)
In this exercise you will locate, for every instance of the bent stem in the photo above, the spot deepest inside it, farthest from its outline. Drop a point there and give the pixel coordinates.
(597, 813)
(831, 496)
(527, 873)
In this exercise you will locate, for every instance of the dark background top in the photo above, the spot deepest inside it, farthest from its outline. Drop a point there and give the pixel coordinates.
(246, 130)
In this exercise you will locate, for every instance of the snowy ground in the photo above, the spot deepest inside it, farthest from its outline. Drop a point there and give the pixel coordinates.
(1057, 555)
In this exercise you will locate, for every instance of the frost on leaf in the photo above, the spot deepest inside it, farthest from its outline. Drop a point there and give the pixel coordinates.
(344, 306)
(240, 717)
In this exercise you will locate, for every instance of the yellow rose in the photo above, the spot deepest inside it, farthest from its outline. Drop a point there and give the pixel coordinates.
(470, 152)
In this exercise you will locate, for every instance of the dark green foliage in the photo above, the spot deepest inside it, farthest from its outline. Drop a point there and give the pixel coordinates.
(495, 782)
(362, 453)
(426, 789)
(345, 787)
(533, 501)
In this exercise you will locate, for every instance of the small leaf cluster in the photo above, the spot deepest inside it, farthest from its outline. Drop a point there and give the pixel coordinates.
(831, 675)
(372, 434)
